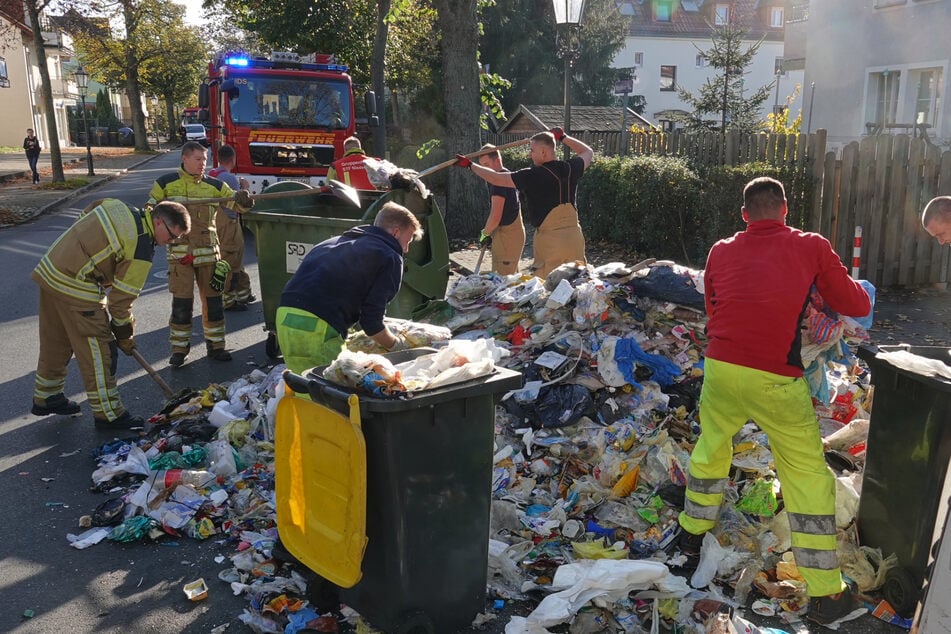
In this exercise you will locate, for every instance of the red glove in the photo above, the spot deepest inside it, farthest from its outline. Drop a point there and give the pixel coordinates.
(462, 161)
(559, 133)
(187, 260)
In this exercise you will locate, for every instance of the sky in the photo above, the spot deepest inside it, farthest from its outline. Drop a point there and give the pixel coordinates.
(192, 11)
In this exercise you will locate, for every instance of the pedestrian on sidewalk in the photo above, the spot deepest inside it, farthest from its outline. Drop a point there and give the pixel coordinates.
(196, 261)
(549, 187)
(32, 146)
(237, 294)
(756, 284)
(88, 282)
(504, 226)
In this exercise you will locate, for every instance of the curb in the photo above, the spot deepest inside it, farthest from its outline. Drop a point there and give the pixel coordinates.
(77, 192)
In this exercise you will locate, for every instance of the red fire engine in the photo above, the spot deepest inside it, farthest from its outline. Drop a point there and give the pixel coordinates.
(286, 117)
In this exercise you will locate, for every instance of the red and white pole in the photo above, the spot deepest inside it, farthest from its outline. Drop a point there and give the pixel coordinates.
(856, 252)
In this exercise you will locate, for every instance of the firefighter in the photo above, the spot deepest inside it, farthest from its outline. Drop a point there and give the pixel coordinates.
(88, 281)
(350, 169)
(237, 294)
(364, 266)
(197, 260)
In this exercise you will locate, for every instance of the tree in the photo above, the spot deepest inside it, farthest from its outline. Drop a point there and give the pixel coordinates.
(175, 76)
(121, 58)
(725, 93)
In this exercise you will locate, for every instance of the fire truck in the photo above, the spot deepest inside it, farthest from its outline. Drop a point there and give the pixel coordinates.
(286, 117)
(191, 115)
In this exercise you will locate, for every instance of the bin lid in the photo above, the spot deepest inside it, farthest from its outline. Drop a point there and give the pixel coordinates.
(320, 482)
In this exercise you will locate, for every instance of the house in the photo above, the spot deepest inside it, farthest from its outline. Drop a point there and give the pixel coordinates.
(20, 86)
(531, 119)
(666, 38)
(874, 66)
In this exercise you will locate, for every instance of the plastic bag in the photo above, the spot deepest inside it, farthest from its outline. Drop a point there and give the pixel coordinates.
(221, 458)
(759, 499)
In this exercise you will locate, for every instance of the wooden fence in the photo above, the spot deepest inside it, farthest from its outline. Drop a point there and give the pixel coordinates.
(880, 183)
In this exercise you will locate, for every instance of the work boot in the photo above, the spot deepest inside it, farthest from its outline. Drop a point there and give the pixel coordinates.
(828, 609)
(218, 354)
(56, 404)
(124, 422)
(237, 307)
(689, 546)
(177, 359)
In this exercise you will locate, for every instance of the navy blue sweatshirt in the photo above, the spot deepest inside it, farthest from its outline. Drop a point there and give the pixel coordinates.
(348, 278)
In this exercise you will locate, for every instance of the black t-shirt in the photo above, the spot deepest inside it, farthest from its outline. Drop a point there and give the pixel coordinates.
(31, 145)
(544, 187)
(510, 207)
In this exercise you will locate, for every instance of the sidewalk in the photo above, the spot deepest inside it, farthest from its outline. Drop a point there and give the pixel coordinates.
(21, 201)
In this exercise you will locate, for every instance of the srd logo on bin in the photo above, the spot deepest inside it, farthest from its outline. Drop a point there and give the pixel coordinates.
(295, 254)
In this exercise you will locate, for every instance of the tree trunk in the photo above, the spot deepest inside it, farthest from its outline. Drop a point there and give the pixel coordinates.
(170, 111)
(466, 204)
(377, 76)
(132, 79)
(49, 113)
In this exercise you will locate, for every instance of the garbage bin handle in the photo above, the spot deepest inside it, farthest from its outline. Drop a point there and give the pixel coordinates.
(302, 385)
(296, 382)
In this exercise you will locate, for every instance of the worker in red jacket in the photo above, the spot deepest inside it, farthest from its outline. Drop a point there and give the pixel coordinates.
(350, 169)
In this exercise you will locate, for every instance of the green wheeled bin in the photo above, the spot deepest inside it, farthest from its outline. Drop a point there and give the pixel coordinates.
(907, 456)
(285, 229)
(427, 495)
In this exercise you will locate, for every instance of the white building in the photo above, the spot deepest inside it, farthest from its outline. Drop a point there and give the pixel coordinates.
(666, 37)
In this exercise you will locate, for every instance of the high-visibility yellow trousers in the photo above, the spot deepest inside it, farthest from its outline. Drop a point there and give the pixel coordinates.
(782, 407)
(305, 339)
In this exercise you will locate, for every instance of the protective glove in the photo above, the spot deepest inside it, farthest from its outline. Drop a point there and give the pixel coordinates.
(400, 344)
(222, 268)
(187, 260)
(242, 198)
(462, 161)
(123, 335)
(559, 133)
(485, 239)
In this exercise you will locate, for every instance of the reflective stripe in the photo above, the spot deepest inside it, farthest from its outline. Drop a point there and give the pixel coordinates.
(707, 485)
(815, 558)
(103, 400)
(180, 336)
(700, 511)
(44, 388)
(215, 332)
(812, 524)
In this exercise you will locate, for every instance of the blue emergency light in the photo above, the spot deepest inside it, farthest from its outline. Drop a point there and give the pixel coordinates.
(236, 61)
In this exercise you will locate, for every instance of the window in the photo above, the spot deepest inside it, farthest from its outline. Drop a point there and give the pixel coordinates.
(882, 99)
(702, 60)
(662, 11)
(776, 17)
(627, 8)
(4, 78)
(881, 4)
(721, 14)
(927, 84)
(638, 59)
(668, 78)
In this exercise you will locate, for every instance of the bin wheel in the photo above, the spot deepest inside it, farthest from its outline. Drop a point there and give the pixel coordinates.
(415, 623)
(271, 347)
(901, 591)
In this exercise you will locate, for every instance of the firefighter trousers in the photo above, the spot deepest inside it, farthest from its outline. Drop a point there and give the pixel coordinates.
(508, 241)
(80, 329)
(182, 279)
(782, 407)
(306, 340)
(231, 242)
(558, 240)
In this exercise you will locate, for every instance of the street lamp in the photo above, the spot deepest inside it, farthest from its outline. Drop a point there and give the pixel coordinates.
(82, 81)
(155, 120)
(568, 43)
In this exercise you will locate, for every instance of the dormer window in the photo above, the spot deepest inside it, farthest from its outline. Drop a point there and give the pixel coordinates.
(776, 17)
(721, 14)
(663, 11)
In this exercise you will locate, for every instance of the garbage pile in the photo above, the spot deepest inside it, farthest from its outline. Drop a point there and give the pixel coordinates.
(589, 470)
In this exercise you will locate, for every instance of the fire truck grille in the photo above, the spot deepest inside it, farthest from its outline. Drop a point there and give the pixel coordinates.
(270, 155)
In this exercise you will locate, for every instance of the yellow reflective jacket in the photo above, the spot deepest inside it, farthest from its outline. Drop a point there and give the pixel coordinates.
(104, 258)
(202, 241)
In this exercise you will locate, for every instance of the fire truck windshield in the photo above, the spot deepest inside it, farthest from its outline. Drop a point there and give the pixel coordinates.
(289, 102)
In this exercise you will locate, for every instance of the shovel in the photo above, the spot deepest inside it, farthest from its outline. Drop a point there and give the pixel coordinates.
(472, 155)
(478, 266)
(152, 373)
(338, 189)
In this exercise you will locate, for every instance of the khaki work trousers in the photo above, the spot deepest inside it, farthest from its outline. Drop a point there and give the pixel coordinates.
(558, 240)
(182, 279)
(508, 241)
(69, 328)
(231, 242)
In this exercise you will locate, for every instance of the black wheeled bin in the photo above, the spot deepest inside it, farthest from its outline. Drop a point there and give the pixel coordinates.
(428, 494)
(908, 450)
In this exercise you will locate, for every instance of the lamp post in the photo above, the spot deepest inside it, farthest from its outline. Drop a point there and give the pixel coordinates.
(155, 120)
(82, 81)
(568, 15)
